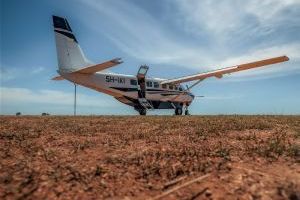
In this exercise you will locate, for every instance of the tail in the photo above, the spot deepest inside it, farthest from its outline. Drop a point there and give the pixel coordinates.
(69, 54)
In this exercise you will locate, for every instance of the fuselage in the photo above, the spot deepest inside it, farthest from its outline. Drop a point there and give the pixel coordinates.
(125, 89)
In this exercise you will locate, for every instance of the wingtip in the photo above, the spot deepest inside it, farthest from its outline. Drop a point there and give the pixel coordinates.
(118, 60)
(286, 58)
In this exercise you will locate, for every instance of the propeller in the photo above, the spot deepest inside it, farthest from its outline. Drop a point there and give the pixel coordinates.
(188, 88)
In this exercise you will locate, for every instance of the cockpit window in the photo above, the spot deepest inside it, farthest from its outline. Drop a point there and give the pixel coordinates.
(155, 84)
(171, 87)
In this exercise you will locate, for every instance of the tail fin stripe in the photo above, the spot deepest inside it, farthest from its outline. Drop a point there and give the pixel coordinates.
(69, 35)
(69, 27)
(60, 22)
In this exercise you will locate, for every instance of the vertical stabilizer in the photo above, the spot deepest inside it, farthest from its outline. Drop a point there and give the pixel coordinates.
(69, 54)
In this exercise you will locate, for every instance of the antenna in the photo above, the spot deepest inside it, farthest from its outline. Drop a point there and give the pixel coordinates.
(75, 98)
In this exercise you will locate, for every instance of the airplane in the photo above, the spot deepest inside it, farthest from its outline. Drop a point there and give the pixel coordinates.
(139, 91)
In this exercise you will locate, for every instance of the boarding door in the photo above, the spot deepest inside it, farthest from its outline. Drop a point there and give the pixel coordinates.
(141, 81)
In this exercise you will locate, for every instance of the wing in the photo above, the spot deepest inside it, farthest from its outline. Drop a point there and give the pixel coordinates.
(228, 70)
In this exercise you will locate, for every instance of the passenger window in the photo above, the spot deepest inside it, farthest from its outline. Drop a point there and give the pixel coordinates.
(155, 84)
(133, 82)
(164, 86)
(149, 84)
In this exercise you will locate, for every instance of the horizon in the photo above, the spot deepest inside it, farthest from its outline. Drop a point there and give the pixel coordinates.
(153, 115)
(174, 38)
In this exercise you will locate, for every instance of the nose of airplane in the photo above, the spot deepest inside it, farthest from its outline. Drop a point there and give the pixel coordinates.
(193, 96)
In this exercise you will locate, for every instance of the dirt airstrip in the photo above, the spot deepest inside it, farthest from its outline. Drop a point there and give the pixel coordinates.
(152, 157)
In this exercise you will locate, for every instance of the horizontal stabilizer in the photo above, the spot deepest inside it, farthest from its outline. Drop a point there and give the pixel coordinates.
(58, 78)
(99, 67)
(94, 68)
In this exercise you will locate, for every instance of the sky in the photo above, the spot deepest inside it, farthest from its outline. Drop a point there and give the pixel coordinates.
(173, 37)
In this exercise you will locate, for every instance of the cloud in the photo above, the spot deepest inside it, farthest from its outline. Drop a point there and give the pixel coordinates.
(11, 96)
(268, 10)
(7, 75)
(137, 33)
(282, 69)
(219, 97)
(234, 32)
(227, 19)
(12, 73)
(38, 70)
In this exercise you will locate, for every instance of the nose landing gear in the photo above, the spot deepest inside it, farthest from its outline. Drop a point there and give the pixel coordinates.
(186, 107)
(186, 112)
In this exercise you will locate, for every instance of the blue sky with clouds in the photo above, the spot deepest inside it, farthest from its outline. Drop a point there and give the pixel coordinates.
(173, 37)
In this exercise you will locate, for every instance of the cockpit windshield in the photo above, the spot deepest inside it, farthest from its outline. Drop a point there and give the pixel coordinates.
(143, 70)
(180, 88)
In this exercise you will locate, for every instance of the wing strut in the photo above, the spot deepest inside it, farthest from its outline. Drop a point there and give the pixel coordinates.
(200, 80)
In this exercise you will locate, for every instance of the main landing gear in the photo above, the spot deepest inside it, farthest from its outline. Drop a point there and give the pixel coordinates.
(179, 110)
(142, 111)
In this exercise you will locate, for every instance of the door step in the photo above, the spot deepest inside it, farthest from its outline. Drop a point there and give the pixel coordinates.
(145, 103)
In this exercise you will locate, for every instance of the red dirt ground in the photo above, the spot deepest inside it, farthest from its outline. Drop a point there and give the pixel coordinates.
(158, 157)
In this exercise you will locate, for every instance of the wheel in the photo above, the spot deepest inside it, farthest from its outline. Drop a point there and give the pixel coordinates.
(178, 111)
(186, 112)
(143, 111)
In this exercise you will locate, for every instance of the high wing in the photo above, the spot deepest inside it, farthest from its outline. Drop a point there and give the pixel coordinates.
(228, 70)
(94, 68)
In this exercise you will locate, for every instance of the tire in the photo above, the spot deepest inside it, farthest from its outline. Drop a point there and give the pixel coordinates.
(178, 111)
(186, 112)
(143, 111)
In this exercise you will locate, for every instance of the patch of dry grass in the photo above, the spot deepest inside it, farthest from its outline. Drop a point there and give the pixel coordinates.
(115, 157)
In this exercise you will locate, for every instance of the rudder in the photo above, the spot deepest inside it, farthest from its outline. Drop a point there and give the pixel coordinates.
(69, 54)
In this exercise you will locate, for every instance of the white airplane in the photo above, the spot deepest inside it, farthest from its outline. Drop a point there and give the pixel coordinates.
(141, 92)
